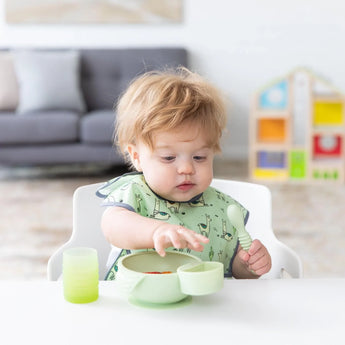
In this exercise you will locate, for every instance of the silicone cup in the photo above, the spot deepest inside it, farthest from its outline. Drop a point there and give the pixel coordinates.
(80, 275)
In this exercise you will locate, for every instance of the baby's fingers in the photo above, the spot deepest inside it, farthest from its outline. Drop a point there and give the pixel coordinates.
(201, 238)
(243, 255)
(261, 270)
(255, 247)
(192, 239)
(167, 239)
(160, 248)
(260, 261)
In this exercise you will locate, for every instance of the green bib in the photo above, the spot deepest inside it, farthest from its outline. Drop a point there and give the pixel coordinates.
(205, 214)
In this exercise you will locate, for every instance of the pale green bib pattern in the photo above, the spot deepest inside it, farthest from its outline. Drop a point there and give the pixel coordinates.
(205, 214)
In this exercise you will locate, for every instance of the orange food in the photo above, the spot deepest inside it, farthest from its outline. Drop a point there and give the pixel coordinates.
(155, 272)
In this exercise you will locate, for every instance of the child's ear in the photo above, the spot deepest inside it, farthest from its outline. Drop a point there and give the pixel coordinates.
(134, 155)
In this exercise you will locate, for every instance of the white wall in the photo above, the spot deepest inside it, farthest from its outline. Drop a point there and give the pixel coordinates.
(238, 45)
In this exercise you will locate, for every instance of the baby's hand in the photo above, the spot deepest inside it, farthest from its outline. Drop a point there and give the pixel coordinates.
(169, 235)
(257, 259)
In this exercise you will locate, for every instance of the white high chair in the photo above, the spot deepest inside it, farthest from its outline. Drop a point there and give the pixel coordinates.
(256, 198)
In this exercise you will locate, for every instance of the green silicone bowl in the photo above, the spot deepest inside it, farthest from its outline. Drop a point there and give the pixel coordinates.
(189, 276)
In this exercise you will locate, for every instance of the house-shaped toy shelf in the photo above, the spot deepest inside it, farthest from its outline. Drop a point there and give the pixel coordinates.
(297, 130)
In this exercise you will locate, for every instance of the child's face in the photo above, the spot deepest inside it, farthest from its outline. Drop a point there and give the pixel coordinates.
(180, 166)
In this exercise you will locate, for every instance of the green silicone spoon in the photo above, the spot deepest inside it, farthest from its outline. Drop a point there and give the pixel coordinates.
(236, 218)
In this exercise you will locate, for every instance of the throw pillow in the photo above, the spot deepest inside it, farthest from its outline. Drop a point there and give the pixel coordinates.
(9, 92)
(48, 80)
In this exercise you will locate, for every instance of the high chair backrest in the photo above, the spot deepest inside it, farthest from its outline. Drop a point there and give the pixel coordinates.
(256, 198)
(86, 230)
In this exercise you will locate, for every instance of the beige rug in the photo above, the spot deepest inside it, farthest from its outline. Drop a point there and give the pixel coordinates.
(36, 215)
(36, 218)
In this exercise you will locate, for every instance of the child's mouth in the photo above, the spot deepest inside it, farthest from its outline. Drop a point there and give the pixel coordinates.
(185, 186)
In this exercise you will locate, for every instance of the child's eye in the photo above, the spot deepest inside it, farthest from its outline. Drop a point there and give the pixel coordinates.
(199, 158)
(168, 158)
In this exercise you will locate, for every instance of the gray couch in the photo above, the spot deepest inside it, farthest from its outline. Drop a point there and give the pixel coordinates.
(50, 137)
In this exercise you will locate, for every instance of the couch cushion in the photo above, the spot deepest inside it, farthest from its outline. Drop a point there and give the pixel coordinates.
(9, 89)
(105, 73)
(48, 80)
(43, 127)
(97, 127)
(20, 155)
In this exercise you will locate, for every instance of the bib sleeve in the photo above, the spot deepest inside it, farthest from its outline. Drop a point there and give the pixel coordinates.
(123, 191)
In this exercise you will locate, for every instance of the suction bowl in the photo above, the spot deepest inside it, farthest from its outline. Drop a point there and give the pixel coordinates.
(146, 277)
(152, 288)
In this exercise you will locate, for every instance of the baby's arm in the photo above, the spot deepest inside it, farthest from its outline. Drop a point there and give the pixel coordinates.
(127, 229)
(251, 264)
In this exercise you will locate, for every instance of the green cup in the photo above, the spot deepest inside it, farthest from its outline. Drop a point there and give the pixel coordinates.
(80, 275)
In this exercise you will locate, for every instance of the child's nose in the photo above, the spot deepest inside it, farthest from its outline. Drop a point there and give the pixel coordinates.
(186, 168)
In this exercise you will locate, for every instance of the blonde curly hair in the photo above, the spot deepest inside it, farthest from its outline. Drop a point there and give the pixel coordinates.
(160, 101)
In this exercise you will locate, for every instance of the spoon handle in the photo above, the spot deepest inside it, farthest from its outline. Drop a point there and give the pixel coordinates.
(236, 218)
(245, 240)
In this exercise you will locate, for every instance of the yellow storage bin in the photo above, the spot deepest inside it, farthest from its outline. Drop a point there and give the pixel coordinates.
(328, 113)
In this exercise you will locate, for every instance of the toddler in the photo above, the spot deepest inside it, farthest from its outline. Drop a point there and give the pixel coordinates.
(169, 125)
